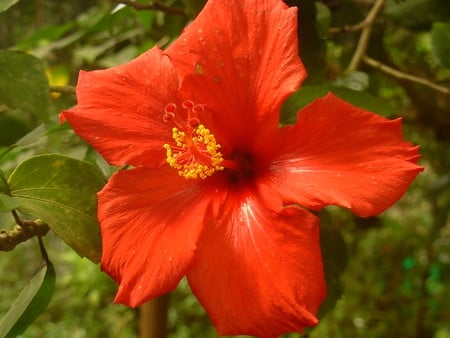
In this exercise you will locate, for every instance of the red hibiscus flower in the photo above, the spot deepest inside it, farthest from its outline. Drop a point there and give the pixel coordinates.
(218, 191)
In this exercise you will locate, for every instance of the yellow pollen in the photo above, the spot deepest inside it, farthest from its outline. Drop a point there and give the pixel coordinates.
(196, 153)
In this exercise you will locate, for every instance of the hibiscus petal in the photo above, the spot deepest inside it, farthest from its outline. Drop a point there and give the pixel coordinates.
(339, 154)
(120, 109)
(150, 222)
(259, 273)
(244, 57)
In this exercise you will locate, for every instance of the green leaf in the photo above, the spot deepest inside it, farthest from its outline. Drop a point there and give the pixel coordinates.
(304, 96)
(8, 203)
(364, 100)
(5, 4)
(23, 83)
(355, 80)
(31, 302)
(440, 40)
(62, 192)
(307, 94)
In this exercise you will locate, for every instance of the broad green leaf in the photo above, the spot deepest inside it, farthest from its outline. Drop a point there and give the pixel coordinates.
(5, 4)
(355, 80)
(8, 203)
(440, 39)
(304, 96)
(364, 100)
(62, 192)
(23, 83)
(307, 94)
(31, 302)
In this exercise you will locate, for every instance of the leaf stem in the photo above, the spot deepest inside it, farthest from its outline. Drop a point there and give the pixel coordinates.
(16, 217)
(42, 248)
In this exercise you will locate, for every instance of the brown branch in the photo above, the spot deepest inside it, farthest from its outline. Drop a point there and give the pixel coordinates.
(349, 28)
(404, 76)
(9, 239)
(365, 36)
(154, 5)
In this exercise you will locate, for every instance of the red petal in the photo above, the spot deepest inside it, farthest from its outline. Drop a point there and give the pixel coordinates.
(259, 273)
(120, 109)
(339, 154)
(150, 222)
(240, 59)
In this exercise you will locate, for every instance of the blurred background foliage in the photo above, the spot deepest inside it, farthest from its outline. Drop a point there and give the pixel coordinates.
(391, 57)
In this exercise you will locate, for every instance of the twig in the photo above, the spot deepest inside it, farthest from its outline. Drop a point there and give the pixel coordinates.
(62, 89)
(404, 76)
(349, 28)
(365, 35)
(154, 5)
(20, 233)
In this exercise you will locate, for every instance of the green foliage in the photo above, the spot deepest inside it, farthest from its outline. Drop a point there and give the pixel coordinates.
(23, 82)
(31, 302)
(396, 281)
(306, 94)
(62, 192)
(417, 14)
(440, 35)
(8, 203)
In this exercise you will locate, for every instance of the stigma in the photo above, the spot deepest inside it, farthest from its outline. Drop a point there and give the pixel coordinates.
(194, 152)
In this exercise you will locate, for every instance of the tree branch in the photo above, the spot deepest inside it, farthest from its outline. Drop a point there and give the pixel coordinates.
(154, 5)
(349, 28)
(404, 76)
(9, 239)
(365, 36)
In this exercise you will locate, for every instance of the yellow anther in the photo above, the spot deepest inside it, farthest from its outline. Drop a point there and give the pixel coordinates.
(196, 153)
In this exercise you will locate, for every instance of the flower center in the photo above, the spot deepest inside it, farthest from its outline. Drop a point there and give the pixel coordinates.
(196, 152)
